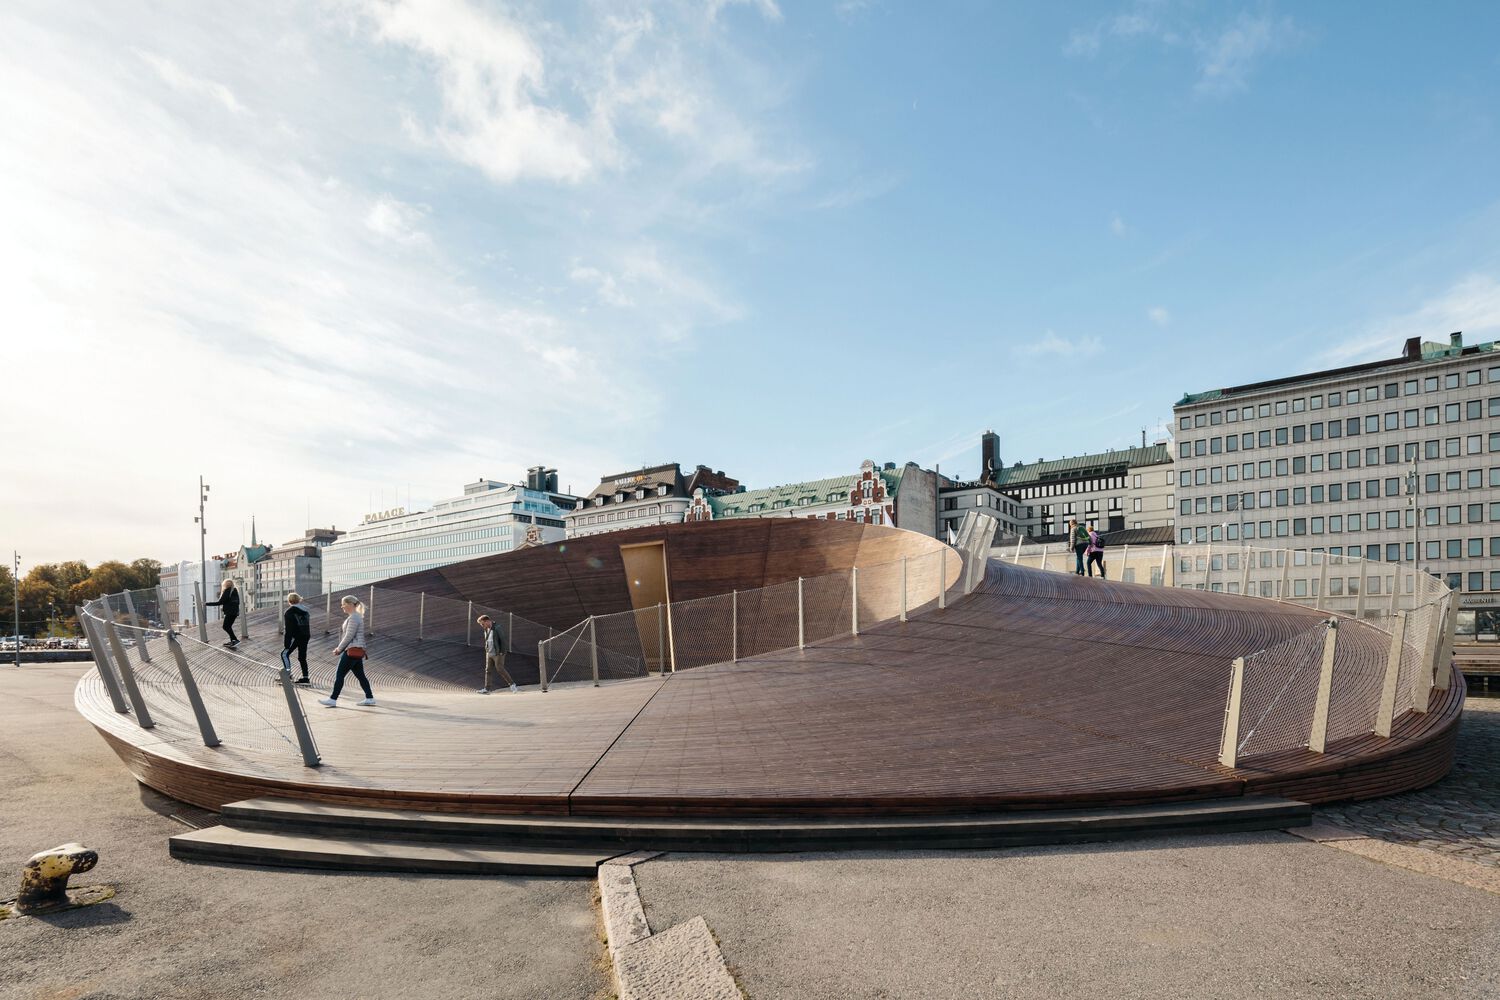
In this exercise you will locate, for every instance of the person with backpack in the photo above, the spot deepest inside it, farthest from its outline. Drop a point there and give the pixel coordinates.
(1078, 537)
(296, 630)
(1096, 552)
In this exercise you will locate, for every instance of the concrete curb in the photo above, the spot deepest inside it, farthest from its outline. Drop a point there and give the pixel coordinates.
(1415, 859)
(681, 963)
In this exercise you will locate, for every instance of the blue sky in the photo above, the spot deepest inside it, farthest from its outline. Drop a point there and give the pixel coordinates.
(326, 253)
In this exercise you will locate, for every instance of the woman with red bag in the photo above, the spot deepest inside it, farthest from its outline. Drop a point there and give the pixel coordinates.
(351, 653)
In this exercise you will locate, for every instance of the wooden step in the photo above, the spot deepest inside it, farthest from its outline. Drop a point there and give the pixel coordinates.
(291, 850)
(619, 834)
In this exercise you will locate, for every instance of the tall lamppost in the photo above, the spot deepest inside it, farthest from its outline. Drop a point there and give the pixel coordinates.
(202, 543)
(15, 590)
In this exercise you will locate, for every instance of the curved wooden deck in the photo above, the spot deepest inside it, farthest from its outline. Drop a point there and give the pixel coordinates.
(1040, 690)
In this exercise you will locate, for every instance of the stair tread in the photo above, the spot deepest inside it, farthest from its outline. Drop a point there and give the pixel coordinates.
(390, 850)
(291, 810)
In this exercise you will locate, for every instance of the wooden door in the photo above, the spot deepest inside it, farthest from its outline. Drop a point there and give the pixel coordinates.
(650, 596)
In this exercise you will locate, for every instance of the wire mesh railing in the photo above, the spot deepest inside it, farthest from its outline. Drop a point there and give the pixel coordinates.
(726, 628)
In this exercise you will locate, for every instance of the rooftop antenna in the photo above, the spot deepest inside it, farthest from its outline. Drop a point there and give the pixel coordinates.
(1143, 437)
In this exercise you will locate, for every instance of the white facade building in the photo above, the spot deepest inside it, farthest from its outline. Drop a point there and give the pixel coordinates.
(177, 579)
(490, 517)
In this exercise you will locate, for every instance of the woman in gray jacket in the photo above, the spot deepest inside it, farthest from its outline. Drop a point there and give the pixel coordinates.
(351, 653)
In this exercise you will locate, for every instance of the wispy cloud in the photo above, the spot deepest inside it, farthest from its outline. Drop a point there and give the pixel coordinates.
(183, 82)
(1159, 316)
(1117, 225)
(1471, 305)
(768, 8)
(1052, 345)
(858, 191)
(850, 11)
(395, 220)
(1225, 56)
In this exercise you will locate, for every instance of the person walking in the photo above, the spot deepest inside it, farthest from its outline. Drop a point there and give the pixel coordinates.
(351, 653)
(1079, 536)
(229, 600)
(494, 654)
(1096, 551)
(296, 630)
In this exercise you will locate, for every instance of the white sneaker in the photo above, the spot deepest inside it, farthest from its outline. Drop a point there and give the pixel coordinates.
(366, 701)
(514, 689)
(330, 702)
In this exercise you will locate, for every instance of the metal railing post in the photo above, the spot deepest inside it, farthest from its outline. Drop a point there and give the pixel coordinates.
(101, 660)
(200, 611)
(305, 742)
(422, 616)
(1321, 598)
(942, 578)
(541, 660)
(205, 725)
(854, 600)
(328, 611)
(1364, 585)
(1017, 559)
(903, 588)
(1246, 557)
(370, 612)
(1386, 714)
(127, 678)
(1124, 561)
(469, 625)
(1044, 556)
(245, 616)
(734, 626)
(1395, 591)
(594, 650)
(140, 630)
(1286, 575)
(661, 638)
(801, 618)
(1229, 741)
(1443, 668)
(1317, 739)
(1208, 568)
(1165, 552)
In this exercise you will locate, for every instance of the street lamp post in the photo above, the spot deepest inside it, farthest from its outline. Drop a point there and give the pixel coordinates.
(15, 590)
(202, 540)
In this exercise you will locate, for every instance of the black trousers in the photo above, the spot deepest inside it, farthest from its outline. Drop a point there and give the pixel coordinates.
(351, 665)
(229, 620)
(300, 645)
(1096, 558)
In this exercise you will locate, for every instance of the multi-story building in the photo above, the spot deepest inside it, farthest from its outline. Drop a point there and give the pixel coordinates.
(490, 517)
(177, 579)
(904, 497)
(1119, 489)
(296, 567)
(659, 494)
(1395, 460)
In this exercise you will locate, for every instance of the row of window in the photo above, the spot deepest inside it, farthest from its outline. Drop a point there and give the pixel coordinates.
(1332, 493)
(1368, 394)
(620, 515)
(1338, 524)
(1335, 461)
(1373, 423)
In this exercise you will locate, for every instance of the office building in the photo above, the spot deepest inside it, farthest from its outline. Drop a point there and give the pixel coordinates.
(904, 497)
(1394, 461)
(489, 517)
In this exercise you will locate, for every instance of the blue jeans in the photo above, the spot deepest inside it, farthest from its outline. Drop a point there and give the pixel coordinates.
(351, 665)
(1078, 551)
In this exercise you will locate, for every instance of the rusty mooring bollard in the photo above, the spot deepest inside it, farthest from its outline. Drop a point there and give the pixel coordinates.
(44, 879)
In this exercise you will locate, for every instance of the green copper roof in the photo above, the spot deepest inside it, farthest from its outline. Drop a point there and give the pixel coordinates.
(791, 495)
(1081, 465)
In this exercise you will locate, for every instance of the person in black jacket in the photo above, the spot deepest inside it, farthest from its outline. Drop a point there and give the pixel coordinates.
(229, 600)
(297, 622)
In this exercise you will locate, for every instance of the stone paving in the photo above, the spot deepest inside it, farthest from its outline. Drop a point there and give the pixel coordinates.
(1458, 816)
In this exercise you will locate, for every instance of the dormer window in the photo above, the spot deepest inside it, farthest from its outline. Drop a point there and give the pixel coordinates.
(661, 490)
(598, 501)
(640, 494)
(620, 497)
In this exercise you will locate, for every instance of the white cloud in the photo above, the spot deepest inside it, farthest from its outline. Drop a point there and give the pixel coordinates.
(176, 78)
(1052, 345)
(850, 11)
(1159, 316)
(1117, 225)
(768, 8)
(398, 221)
(858, 191)
(605, 285)
(1226, 61)
(1471, 305)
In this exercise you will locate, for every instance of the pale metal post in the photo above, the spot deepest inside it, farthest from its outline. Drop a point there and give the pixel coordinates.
(1165, 551)
(1395, 591)
(1286, 574)
(1124, 562)
(734, 626)
(469, 625)
(101, 660)
(205, 725)
(903, 588)
(801, 618)
(541, 660)
(1246, 557)
(1208, 568)
(1317, 740)
(1444, 666)
(328, 611)
(594, 650)
(1322, 583)
(854, 600)
(202, 612)
(422, 616)
(1044, 555)
(510, 629)
(942, 578)
(1229, 742)
(127, 677)
(661, 637)
(1017, 559)
(161, 604)
(1385, 716)
(370, 612)
(1364, 585)
(305, 743)
(245, 617)
(140, 630)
